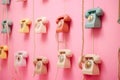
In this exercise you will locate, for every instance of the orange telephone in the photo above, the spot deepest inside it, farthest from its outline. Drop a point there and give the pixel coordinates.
(25, 24)
(63, 23)
(89, 64)
(3, 51)
(40, 65)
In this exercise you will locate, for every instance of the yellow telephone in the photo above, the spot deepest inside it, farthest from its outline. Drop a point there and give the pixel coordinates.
(3, 51)
(89, 64)
(25, 24)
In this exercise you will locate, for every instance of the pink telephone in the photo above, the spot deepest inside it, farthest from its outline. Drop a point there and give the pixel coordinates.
(64, 58)
(41, 25)
(40, 65)
(89, 64)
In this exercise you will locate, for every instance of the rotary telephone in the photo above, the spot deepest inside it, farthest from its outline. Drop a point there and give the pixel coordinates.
(3, 52)
(41, 25)
(64, 56)
(40, 65)
(25, 25)
(89, 64)
(63, 23)
(93, 18)
(21, 58)
(6, 26)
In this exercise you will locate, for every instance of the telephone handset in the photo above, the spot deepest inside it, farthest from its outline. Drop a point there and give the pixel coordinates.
(64, 56)
(6, 26)
(40, 65)
(93, 18)
(25, 25)
(63, 23)
(21, 58)
(3, 51)
(89, 64)
(41, 25)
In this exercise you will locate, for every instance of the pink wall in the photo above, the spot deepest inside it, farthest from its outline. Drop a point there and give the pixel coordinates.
(107, 39)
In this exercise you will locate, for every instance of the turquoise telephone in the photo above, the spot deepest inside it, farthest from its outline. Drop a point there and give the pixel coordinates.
(6, 26)
(93, 18)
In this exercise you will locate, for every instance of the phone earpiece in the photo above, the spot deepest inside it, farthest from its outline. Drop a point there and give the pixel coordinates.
(81, 61)
(45, 60)
(99, 12)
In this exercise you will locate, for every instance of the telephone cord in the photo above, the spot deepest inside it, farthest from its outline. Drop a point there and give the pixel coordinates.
(119, 64)
(82, 51)
(93, 33)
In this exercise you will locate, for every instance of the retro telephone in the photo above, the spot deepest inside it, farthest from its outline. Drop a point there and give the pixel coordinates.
(6, 26)
(3, 52)
(41, 25)
(64, 58)
(20, 58)
(63, 23)
(89, 64)
(6, 2)
(93, 18)
(40, 65)
(25, 25)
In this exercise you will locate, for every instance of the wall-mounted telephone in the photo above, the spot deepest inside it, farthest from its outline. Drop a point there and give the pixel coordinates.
(41, 25)
(6, 26)
(64, 56)
(63, 23)
(40, 65)
(93, 18)
(21, 58)
(25, 25)
(3, 51)
(6, 2)
(89, 64)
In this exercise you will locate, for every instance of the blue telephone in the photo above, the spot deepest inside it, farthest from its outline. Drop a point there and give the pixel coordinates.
(6, 26)
(93, 18)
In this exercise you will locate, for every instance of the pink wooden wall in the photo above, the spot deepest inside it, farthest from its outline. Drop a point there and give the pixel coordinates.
(107, 40)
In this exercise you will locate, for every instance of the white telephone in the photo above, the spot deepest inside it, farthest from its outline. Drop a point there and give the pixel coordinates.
(41, 25)
(64, 58)
(89, 64)
(20, 58)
